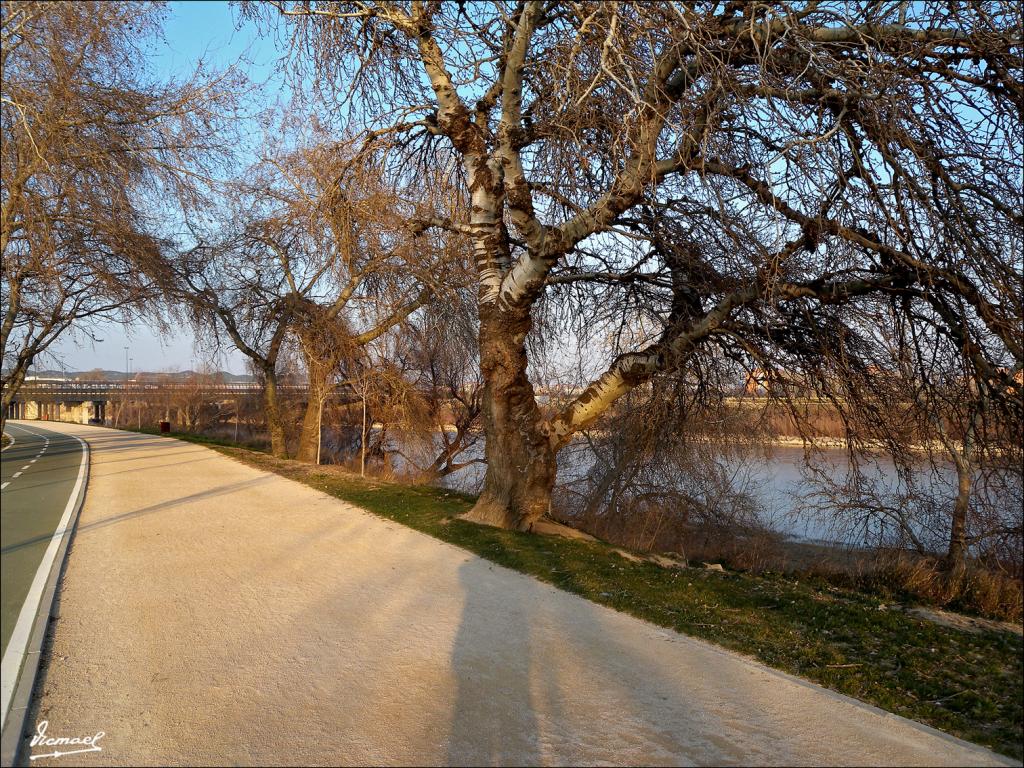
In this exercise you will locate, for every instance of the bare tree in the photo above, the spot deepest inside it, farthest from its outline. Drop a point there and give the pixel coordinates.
(232, 285)
(375, 270)
(317, 247)
(951, 436)
(715, 179)
(437, 354)
(330, 355)
(665, 470)
(197, 408)
(87, 144)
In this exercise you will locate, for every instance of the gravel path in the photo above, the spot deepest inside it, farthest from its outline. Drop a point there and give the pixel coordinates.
(214, 614)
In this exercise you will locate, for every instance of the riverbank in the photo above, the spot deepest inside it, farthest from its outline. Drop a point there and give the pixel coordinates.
(963, 681)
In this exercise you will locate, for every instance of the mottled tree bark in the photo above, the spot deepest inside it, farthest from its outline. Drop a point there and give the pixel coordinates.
(309, 438)
(275, 424)
(520, 457)
(957, 551)
(9, 393)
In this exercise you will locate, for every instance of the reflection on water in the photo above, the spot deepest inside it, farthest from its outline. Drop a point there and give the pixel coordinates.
(780, 484)
(777, 481)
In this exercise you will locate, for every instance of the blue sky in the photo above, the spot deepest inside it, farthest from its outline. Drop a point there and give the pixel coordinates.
(193, 31)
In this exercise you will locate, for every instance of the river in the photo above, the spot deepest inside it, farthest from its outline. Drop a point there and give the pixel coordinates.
(793, 501)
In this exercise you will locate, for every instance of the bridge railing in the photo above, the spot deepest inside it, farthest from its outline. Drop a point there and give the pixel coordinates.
(133, 387)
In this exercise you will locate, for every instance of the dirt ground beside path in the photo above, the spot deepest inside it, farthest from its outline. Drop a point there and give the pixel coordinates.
(212, 613)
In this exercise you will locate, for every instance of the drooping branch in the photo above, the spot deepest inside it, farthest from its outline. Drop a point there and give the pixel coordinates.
(396, 317)
(671, 350)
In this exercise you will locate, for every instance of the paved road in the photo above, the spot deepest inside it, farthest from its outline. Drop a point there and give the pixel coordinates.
(214, 614)
(37, 475)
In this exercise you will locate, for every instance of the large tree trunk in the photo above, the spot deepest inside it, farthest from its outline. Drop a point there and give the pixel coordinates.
(275, 424)
(318, 372)
(961, 456)
(520, 458)
(5, 403)
(309, 440)
(958, 525)
(11, 386)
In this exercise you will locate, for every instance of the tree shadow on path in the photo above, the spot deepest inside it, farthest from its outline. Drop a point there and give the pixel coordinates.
(493, 718)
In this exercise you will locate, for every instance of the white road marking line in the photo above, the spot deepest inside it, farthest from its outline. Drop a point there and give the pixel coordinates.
(24, 468)
(16, 474)
(5, 485)
(18, 644)
(10, 444)
(33, 461)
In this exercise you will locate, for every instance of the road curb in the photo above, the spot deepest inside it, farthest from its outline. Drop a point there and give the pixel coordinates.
(14, 734)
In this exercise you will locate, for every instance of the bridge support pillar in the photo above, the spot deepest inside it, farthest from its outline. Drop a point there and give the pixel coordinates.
(75, 413)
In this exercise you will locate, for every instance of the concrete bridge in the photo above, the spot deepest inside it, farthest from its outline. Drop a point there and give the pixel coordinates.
(77, 412)
(85, 402)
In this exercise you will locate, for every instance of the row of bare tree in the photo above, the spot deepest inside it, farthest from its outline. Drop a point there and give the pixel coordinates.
(652, 198)
(319, 261)
(94, 150)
